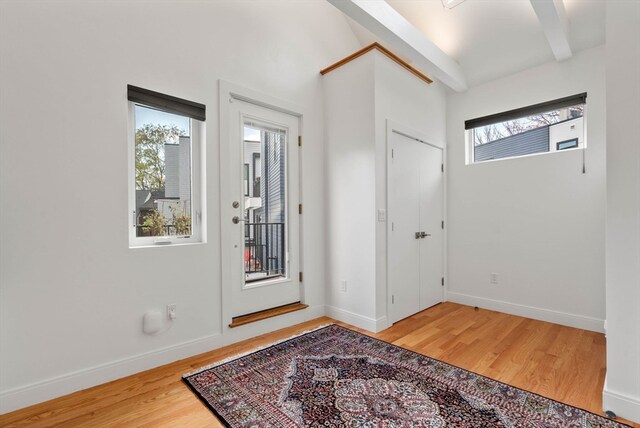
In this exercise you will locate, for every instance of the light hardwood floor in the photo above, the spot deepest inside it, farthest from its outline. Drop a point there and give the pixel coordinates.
(562, 363)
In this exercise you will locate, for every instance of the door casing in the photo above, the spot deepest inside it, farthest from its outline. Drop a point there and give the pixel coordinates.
(228, 93)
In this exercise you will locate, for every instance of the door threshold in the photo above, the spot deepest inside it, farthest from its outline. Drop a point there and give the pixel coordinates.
(267, 313)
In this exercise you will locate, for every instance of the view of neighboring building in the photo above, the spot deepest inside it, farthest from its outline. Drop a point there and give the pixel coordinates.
(265, 202)
(175, 198)
(564, 130)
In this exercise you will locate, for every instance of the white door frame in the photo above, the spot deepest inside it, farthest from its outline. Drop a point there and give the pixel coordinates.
(391, 127)
(227, 93)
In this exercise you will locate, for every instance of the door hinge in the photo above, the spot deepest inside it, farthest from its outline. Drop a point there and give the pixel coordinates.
(300, 276)
(442, 281)
(442, 224)
(392, 299)
(442, 167)
(299, 208)
(299, 140)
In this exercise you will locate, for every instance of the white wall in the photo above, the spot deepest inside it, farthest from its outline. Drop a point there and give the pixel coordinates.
(72, 292)
(404, 99)
(536, 221)
(359, 97)
(350, 171)
(622, 387)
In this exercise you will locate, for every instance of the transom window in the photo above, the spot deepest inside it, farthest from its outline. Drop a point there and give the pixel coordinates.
(546, 127)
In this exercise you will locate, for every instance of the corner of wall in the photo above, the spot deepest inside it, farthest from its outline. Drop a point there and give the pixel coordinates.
(620, 404)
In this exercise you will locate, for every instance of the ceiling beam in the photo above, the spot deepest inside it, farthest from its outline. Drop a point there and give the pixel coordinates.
(400, 35)
(555, 23)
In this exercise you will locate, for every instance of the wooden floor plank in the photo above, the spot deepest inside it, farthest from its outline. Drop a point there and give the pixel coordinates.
(559, 362)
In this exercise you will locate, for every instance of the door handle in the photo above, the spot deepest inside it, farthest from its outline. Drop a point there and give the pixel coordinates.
(236, 219)
(422, 235)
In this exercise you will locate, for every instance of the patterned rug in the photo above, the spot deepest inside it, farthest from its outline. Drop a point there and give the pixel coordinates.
(336, 377)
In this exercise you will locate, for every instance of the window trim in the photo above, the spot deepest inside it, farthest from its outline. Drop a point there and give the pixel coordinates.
(197, 137)
(582, 143)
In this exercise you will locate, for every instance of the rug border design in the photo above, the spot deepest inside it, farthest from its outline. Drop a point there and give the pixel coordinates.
(253, 351)
(288, 339)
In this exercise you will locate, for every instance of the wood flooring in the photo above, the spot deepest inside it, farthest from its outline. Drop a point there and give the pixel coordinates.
(562, 363)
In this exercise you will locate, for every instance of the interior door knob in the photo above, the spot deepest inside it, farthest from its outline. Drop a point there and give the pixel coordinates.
(236, 219)
(424, 234)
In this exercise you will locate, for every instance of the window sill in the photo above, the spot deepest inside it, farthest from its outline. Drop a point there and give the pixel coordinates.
(530, 155)
(170, 245)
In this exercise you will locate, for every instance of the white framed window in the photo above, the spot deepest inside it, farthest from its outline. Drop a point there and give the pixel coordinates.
(166, 139)
(557, 125)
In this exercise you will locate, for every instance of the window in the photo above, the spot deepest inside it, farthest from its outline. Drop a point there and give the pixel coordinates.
(166, 135)
(568, 144)
(246, 179)
(546, 127)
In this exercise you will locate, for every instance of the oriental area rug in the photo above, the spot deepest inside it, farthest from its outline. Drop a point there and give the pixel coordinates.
(336, 377)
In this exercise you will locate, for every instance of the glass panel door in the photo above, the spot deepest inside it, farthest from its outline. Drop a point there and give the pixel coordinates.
(265, 206)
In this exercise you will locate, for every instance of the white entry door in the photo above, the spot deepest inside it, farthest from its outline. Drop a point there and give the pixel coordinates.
(415, 253)
(260, 220)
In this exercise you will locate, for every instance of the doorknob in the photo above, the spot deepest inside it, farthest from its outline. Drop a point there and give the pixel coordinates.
(424, 234)
(236, 219)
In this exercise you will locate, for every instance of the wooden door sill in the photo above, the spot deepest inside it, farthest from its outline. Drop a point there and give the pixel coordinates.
(267, 313)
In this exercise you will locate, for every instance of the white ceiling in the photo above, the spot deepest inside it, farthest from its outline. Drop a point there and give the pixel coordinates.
(495, 38)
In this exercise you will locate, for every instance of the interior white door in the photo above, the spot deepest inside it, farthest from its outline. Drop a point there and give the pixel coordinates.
(415, 253)
(260, 220)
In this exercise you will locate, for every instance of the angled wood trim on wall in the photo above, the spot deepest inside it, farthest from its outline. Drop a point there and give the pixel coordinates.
(385, 51)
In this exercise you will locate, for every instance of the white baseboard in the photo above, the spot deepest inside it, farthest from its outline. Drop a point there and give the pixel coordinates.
(563, 318)
(27, 395)
(622, 405)
(370, 324)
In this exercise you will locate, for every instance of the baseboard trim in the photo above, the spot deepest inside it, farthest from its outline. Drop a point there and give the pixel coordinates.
(27, 395)
(623, 406)
(370, 324)
(38, 392)
(557, 317)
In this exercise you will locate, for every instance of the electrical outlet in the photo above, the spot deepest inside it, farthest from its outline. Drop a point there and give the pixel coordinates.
(494, 278)
(343, 285)
(171, 311)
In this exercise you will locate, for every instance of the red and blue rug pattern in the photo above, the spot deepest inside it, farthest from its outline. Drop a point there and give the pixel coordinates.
(336, 377)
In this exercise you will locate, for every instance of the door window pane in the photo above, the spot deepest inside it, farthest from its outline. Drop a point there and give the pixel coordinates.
(266, 206)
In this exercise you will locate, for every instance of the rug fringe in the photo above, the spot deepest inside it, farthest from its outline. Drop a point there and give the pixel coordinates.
(244, 354)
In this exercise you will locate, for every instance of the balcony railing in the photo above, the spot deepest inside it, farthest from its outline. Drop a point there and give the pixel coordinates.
(169, 230)
(264, 251)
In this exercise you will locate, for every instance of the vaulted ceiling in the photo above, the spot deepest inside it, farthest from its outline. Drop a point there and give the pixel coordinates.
(489, 39)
